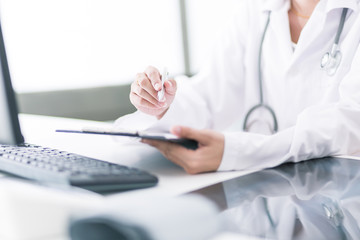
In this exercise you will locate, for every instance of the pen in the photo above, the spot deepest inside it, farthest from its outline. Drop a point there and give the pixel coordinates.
(164, 78)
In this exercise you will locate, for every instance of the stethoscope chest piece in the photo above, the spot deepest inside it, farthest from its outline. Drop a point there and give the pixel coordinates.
(330, 62)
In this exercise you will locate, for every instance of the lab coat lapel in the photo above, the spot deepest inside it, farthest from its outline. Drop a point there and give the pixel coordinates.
(310, 32)
(332, 4)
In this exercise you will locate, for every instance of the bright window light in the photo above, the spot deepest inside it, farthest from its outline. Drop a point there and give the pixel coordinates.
(206, 18)
(67, 44)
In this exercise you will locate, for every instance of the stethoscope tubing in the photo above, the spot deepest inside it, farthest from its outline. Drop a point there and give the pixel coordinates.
(261, 92)
(261, 105)
(341, 26)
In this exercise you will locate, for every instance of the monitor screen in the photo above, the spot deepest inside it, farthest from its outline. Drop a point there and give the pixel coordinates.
(9, 124)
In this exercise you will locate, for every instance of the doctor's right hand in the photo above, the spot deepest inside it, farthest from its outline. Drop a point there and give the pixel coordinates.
(144, 93)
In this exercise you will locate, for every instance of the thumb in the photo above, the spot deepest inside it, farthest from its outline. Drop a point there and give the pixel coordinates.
(190, 133)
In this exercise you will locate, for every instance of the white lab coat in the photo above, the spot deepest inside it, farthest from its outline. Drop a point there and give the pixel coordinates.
(318, 115)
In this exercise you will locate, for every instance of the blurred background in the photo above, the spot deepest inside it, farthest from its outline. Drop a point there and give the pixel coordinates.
(77, 58)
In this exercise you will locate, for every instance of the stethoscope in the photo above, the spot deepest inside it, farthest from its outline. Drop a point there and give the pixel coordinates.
(332, 211)
(329, 63)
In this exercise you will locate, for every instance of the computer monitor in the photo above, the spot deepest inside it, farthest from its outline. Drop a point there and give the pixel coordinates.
(10, 132)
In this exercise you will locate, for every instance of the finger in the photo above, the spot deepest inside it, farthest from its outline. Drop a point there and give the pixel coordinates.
(154, 75)
(170, 86)
(141, 102)
(179, 155)
(171, 151)
(144, 82)
(185, 132)
(138, 90)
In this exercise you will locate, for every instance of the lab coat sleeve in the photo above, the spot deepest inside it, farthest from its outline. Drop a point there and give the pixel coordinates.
(320, 130)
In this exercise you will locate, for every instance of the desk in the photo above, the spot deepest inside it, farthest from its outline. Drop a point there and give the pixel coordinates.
(29, 211)
(41, 130)
(316, 199)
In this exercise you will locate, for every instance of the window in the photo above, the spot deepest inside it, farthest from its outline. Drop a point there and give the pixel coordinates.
(205, 20)
(66, 44)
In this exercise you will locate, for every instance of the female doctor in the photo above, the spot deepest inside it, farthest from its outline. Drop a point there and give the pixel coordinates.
(287, 67)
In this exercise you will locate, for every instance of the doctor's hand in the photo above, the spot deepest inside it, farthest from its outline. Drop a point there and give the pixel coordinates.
(144, 93)
(206, 158)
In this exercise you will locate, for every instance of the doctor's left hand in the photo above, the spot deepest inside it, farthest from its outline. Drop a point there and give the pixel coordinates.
(206, 158)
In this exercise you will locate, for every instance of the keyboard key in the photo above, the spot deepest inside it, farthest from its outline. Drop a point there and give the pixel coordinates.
(51, 165)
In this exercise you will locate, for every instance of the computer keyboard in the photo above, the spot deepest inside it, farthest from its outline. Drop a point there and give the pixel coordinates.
(54, 167)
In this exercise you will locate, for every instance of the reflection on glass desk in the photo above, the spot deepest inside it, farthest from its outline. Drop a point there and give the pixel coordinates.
(317, 199)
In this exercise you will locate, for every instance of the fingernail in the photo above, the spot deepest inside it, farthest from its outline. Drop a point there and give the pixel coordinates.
(157, 86)
(162, 100)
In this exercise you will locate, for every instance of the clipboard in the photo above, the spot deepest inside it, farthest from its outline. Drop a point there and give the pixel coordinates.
(167, 137)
